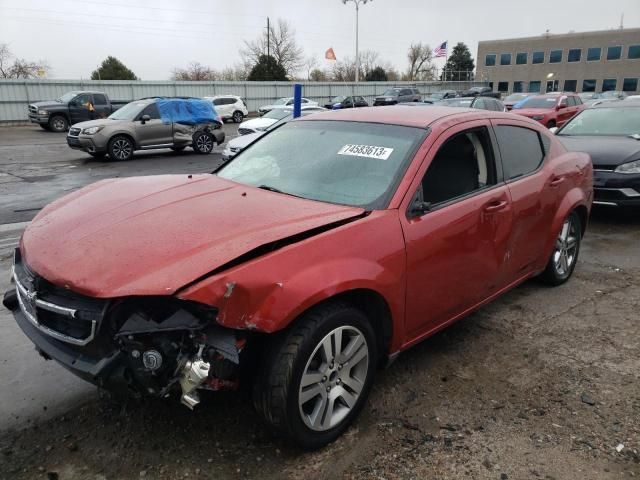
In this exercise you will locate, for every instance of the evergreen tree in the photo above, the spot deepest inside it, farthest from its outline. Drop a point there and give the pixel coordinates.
(378, 74)
(459, 65)
(266, 69)
(113, 69)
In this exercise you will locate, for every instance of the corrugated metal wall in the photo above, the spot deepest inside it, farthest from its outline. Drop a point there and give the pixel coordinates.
(15, 95)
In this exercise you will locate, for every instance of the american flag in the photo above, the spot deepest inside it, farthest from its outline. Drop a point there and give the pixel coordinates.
(441, 51)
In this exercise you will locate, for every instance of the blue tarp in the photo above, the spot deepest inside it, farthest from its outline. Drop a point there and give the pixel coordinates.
(187, 111)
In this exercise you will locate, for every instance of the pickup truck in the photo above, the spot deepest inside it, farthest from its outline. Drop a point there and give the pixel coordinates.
(72, 107)
(481, 92)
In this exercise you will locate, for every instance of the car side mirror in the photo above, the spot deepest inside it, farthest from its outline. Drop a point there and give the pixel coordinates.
(419, 208)
(144, 119)
(553, 130)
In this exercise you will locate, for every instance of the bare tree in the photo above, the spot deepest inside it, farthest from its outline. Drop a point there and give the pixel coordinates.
(345, 70)
(310, 63)
(238, 72)
(420, 57)
(282, 46)
(12, 67)
(368, 61)
(195, 71)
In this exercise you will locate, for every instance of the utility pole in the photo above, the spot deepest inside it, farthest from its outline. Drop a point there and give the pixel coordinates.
(357, 3)
(268, 38)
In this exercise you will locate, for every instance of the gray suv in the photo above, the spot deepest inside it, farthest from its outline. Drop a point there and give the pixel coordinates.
(398, 95)
(138, 126)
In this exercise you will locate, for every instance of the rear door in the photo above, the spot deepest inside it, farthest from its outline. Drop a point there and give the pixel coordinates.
(152, 132)
(101, 106)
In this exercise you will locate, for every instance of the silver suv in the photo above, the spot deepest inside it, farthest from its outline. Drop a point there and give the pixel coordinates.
(138, 126)
(398, 95)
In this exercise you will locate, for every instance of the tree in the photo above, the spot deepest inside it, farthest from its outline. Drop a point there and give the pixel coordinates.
(239, 72)
(310, 63)
(113, 69)
(345, 70)
(266, 69)
(378, 74)
(12, 67)
(420, 57)
(459, 65)
(318, 75)
(282, 47)
(195, 71)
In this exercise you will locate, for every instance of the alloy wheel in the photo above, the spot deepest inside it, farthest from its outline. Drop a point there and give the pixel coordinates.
(566, 247)
(204, 143)
(122, 149)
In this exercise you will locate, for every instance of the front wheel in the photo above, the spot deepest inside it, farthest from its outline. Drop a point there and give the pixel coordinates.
(120, 148)
(203, 142)
(98, 155)
(565, 252)
(58, 123)
(316, 380)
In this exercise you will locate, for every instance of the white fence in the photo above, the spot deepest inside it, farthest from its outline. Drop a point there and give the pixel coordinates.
(15, 95)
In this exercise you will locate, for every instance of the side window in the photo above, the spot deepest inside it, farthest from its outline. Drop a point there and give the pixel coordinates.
(571, 102)
(82, 100)
(152, 111)
(99, 99)
(218, 101)
(480, 103)
(578, 100)
(405, 91)
(304, 100)
(463, 165)
(520, 149)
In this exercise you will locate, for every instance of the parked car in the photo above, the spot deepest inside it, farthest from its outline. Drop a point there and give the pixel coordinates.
(482, 103)
(514, 98)
(322, 251)
(341, 101)
(633, 97)
(262, 123)
(551, 110)
(481, 92)
(72, 107)
(239, 143)
(398, 95)
(610, 134)
(139, 125)
(285, 102)
(441, 95)
(586, 96)
(229, 107)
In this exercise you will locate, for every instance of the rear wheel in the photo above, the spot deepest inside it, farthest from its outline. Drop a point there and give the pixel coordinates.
(58, 123)
(565, 252)
(317, 377)
(120, 148)
(203, 142)
(238, 116)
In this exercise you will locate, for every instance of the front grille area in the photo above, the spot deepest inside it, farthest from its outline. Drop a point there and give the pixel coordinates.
(33, 109)
(244, 131)
(57, 312)
(74, 132)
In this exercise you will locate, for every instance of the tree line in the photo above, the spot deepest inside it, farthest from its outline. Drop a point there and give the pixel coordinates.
(276, 55)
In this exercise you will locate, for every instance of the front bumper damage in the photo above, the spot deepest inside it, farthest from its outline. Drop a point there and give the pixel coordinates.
(137, 347)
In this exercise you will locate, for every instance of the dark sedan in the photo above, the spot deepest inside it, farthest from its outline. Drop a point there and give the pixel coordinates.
(342, 101)
(610, 133)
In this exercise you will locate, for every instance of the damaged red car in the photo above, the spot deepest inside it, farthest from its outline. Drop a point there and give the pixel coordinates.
(316, 255)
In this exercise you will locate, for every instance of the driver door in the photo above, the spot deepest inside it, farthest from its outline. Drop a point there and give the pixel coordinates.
(79, 108)
(153, 132)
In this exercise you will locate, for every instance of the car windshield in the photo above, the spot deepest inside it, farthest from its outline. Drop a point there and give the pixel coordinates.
(348, 163)
(281, 101)
(537, 102)
(456, 102)
(129, 111)
(278, 113)
(604, 121)
(515, 97)
(391, 92)
(67, 97)
(338, 99)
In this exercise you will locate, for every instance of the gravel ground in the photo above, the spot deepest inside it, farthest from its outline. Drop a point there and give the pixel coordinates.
(541, 384)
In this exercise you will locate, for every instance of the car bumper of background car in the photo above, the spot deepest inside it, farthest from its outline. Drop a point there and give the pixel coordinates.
(616, 189)
(40, 119)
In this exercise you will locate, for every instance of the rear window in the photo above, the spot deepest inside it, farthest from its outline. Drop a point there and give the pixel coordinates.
(520, 149)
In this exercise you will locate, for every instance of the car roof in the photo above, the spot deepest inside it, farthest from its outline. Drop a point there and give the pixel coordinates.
(618, 104)
(407, 116)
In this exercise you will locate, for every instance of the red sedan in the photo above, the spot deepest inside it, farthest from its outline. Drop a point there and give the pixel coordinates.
(551, 110)
(317, 254)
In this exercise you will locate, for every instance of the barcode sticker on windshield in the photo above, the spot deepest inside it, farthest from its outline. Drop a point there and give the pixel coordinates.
(370, 151)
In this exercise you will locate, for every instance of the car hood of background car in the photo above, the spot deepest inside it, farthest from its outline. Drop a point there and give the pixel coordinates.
(47, 103)
(532, 111)
(152, 235)
(258, 123)
(243, 140)
(603, 149)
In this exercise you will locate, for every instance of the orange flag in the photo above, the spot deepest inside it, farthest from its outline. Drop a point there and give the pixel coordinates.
(330, 54)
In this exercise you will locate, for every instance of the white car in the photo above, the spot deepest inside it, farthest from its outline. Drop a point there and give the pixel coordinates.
(284, 102)
(229, 107)
(633, 97)
(262, 123)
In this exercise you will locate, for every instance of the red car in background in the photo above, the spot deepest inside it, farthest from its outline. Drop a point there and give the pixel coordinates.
(551, 109)
(317, 254)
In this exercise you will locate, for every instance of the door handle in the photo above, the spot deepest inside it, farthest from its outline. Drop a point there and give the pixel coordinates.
(495, 206)
(555, 181)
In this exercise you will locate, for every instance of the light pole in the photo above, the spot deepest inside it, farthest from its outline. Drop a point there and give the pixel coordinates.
(357, 2)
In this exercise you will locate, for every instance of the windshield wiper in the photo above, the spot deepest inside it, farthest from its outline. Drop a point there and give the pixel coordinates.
(276, 190)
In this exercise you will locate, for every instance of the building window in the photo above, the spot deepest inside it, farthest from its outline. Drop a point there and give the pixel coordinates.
(574, 55)
(534, 86)
(634, 52)
(521, 58)
(505, 59)
(518, 87)
(630, 84)
(593, 54)
(503, 86)
(555, 56)
(614, 53)
(609, 84)
(570, 85)
(537, 57)
(490, 60)
(589, 85)
(491, 86)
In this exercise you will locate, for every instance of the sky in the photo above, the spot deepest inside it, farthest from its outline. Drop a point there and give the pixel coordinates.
(152, 37)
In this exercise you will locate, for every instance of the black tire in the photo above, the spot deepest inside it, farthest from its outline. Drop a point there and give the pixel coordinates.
(203, 142)
(45, 127)
(277, 387)
(58, 123)
(555, 273)
(551, 123)
(178, 149)
(98, 155)
(120, 148)
(237, 116)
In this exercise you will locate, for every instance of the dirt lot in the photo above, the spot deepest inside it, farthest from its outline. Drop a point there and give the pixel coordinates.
(541, 384)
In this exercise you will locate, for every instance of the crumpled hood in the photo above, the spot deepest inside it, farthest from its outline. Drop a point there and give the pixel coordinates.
(152, 235)
(608, 151)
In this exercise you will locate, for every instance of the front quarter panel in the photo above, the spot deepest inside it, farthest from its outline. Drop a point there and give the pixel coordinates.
(267, 293)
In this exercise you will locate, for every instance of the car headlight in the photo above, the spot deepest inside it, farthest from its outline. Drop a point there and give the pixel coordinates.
(629, 167)
(42, 112)
(538, 117)
(91, 130)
